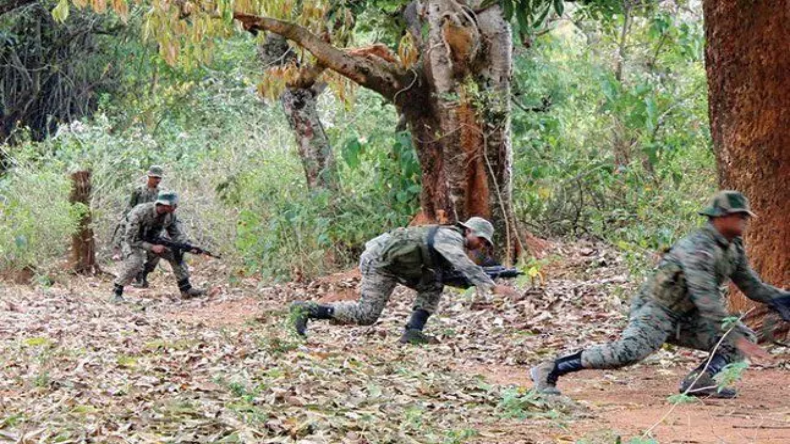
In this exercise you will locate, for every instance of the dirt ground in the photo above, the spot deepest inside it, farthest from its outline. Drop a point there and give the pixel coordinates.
(629, 402)
(225, 368)
(622, 403)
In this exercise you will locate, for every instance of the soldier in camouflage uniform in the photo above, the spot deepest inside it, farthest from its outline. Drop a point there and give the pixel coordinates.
(682, 304)
(144, 223)
(148, 192)
(415, 257)
(140, 195)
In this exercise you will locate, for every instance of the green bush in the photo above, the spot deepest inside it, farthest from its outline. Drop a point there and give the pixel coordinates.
(36, 218)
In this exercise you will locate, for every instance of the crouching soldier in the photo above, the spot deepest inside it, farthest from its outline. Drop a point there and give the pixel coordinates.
(415, 257)
(143, 225)
(681, 304)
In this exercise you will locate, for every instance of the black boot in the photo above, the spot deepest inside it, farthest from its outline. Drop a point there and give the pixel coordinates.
(117, 294)
(700, 381)
(187, 292)
(301, 312)
(413, 333)
(545, 375)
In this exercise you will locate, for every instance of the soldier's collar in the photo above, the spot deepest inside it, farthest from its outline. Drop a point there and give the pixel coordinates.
(716, 235)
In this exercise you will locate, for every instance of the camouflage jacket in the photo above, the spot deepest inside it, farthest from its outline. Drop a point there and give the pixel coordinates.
(144, 223)
(141, 195)
(692, 275)
(450, 247)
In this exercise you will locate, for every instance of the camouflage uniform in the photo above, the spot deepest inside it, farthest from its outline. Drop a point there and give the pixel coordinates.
(144, 223)
(683, 303)
(415, 257)
(378, 282)
(141, 195)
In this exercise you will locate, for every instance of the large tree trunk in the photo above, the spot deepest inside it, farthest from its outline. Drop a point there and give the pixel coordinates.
(747, 67)
(455, 100)
(299, 104)
(461, 127)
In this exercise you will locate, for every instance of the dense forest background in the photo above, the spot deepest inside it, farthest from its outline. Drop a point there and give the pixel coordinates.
(610, 137)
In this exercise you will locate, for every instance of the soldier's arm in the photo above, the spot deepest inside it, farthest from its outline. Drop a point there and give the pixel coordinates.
(750, 283)
(450, 245)
(133, 230)
(701, 280)
(176, 231)
(134, 200)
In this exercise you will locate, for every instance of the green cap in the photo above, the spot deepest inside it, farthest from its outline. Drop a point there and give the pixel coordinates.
(480, 228)
(155, 171)
(727, 202)
(167, 198)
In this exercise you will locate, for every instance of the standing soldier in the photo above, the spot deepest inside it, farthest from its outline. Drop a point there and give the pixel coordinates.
(144, 224)
(148, 192)
(415, 257)
(142, 194)
(682, 304)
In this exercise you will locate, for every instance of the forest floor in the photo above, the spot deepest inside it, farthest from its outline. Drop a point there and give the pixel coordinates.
(225, 368)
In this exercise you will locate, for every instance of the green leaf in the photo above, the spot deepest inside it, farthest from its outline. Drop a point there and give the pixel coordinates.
(61, 12)
(507, 7)
(559, 7)
(351, 150)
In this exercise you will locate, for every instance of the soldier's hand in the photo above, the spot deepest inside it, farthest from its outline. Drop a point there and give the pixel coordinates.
(158, 249)
(504, 290)
(752, 350)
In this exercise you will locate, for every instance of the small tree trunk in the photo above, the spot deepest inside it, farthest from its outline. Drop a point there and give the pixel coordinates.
(83, 244)
(299, 104)
(749, 100)
(318, 160)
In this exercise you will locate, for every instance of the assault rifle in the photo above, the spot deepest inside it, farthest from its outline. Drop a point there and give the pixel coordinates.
(180, 248)
(454, 278)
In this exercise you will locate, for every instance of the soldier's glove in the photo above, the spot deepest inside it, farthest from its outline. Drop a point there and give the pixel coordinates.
(782, 306)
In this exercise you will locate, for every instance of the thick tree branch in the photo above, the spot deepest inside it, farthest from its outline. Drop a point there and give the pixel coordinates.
(377, 74)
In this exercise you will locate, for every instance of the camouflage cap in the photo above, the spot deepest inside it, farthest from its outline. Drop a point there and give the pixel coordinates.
(727, 202)
(480, 228)
(155, 171)
(167, 198)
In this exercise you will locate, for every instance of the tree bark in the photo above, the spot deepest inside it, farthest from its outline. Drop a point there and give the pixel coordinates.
(83, 243)
(749, 101)
(299, 102)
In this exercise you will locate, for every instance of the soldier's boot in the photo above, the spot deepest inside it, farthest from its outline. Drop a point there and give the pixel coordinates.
(187, 292)
(117, 295)
(413, 333)
(700, 381)
(302, 312)
(545, 375)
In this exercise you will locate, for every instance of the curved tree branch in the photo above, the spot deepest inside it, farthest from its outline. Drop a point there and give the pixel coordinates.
(374, 73)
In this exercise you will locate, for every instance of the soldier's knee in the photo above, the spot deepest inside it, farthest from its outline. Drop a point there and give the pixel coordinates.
(632, 355)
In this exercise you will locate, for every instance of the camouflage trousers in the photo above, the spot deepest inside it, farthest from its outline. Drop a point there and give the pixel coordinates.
(376, 289)
(135, 258)
(649, 327)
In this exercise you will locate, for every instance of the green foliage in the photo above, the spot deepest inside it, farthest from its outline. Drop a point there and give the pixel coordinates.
(627, 158)
(730, 374)
(517, 404)
(36, 218)
(622, 155)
